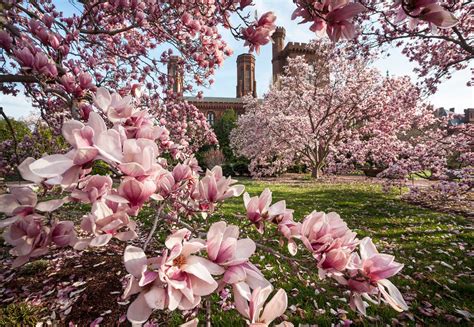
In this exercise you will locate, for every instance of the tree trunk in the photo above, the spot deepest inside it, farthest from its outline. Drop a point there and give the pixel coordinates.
(316, 173)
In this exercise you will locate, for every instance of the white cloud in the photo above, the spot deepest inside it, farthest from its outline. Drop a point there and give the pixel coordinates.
(16, 106)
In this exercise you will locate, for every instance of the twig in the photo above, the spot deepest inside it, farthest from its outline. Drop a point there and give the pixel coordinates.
(278, 254)
(153, 229)
(208, 313)
(175, 220)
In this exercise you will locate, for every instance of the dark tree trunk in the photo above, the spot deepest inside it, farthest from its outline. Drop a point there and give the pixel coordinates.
(316, 173)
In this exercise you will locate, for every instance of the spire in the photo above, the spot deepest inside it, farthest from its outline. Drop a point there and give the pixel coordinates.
(246, 83)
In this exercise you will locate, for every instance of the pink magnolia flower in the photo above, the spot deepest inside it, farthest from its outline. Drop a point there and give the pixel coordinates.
(28, 237)
(322, 232)
(92, 189)
(333, 262)
(25, 57)
(90, 142)
(139, 125)
(165, 183)
(338, 19)
(178, 279)
(136, 192)
(62, 233)
(214, 187)
(21, 202)
(437, 15)
(259, 209)
(182, 172)
(27, 174)
(257, 312)
(139, 158)
(244, 3)
(260, 32)
(193, 163)
(6, 40)
(290, 229)
(427, 10)
(106, 226)
(369, 274)
(224, 247)
(116, 107)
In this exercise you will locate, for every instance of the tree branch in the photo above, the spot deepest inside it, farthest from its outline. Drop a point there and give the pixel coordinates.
(10, 78)
(12, 131)
(153, 228)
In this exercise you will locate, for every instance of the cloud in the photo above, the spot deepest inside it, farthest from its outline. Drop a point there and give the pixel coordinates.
(16, 106)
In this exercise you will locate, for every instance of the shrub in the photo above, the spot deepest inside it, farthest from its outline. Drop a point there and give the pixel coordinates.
(241, 168)
(227, 170)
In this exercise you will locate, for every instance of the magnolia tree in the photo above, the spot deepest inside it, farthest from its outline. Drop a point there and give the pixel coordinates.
(434, 150)
(380, 141)
(60, 54)
(198, 258)
(417, 27)
(314, 110)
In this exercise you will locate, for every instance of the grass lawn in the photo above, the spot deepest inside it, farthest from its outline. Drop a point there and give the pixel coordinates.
(436, 249)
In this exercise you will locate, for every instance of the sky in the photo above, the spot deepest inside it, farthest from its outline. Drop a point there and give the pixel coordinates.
(451, 93)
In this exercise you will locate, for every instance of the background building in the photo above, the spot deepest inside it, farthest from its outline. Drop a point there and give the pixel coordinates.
(246, 84)
(214, 107)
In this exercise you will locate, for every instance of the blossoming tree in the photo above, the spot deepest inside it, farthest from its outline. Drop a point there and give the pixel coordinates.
(59, 57)
(198, 258)
(317, 108)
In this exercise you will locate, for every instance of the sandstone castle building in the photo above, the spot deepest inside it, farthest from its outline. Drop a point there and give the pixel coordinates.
(246, 84)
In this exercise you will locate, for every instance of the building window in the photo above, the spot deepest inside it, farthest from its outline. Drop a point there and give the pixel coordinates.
(211, 117)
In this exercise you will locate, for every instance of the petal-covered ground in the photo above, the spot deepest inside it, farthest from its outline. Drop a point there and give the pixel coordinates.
(436, 248)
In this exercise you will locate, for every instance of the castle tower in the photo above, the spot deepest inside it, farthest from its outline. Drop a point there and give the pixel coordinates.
(246, 83)
(175, 75)
(278, 45)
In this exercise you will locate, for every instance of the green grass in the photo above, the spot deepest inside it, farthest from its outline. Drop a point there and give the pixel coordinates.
(427, 242)
(19, 314)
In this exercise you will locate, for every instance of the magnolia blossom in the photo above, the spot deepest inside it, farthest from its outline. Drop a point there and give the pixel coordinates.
(116, 107)
(330, 240)
(29, 238)
(92, 189)
(368, 275)
(136, 192)
(177, 279)
(139, 157)
(106, 226)
(259, 209)
(427, 10)
(90, 142)
(260, 32)
(338, 19)
(62, 233)
(214, 187)
(322, 232)
(257, 312)
(23, 201)
(333, 16)
(226, 249)
(290, 229)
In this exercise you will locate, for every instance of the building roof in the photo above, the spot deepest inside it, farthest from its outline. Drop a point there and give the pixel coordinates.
(214, 99)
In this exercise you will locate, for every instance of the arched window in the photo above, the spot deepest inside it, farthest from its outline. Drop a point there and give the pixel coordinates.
(211, 117)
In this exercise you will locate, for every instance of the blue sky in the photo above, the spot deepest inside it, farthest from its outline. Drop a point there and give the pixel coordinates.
(452, 93)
